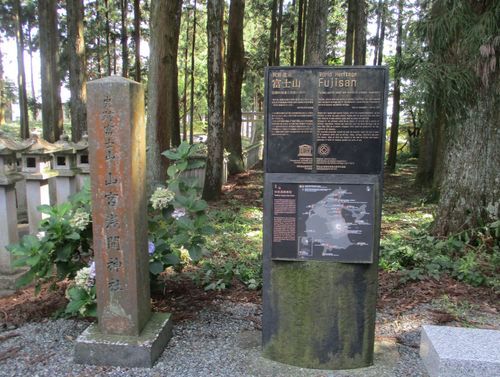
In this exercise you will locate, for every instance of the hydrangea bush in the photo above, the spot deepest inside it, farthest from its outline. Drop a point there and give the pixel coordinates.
(177, 229)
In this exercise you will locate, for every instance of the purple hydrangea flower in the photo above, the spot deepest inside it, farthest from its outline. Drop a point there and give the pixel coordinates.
(92, 270)
(151, 247)
(178, 213)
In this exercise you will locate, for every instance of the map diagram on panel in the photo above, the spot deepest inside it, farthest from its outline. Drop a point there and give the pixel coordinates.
(335, 222)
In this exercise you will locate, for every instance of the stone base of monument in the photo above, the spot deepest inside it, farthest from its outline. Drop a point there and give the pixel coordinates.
(460, 352)
(93, 347)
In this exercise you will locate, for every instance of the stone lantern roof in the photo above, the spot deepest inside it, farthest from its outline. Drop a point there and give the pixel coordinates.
(82, 144)
(8, 159)
(39, 146)
(64, 145)
(10, 146)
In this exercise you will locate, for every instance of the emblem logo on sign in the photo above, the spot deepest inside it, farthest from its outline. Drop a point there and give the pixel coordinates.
(324, 150)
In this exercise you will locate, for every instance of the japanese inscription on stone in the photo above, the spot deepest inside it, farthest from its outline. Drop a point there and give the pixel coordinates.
(117, 146)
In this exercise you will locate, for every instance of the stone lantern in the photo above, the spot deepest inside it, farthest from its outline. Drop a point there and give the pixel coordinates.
(82, 161)
(8, 211)
(36, 167)
(64, 163)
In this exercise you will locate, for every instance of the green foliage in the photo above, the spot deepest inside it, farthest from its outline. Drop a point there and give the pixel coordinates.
(472, 256)
(235, 249)
(81, 294)
(64, 241)
(178, 223)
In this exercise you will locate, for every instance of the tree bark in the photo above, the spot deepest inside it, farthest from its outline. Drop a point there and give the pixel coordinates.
(349, 39)
(21, 75)
(186, 80)
(235, 67)
(2, 87)
(360, 33)
(137, 39)
(292, 40)
(213, 175)
(470, 193)
(124, 37)
(299, 60)
(191, 93)
(107, 31)
(393, 143)
(272, 36)
(77, 79)
(158, 131)
(380, 52)
(317, 18)
(49, 57)
(378, 12)
(279, 26)
(174, 10)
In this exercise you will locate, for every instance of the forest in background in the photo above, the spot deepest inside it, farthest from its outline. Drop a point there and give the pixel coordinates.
(206, 63)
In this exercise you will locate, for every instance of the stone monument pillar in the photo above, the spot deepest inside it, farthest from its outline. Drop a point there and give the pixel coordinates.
(8, 212)
(127, 333)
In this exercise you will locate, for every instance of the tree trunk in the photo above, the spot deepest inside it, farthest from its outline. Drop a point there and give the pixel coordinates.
(186, 79)
(349, 38)
(378, 12)
(21, 75)
(360, 33)
(279, 26)
(32, 80)
(137, 39)
(49, 57)
(272, 36)
(299, 60)
(158, 132)
(174, 10)
(380, 52)
(191, 93)
(292, 36)
(124, 37)
(393, 143)
(107, 31)
(317, 19)
(2, 87)
(470, 193)
(98, 42)
(213, 175)
(235, 67)
(77, 79)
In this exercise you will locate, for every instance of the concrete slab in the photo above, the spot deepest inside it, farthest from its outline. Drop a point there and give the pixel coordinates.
(460, 352)
(93, 347)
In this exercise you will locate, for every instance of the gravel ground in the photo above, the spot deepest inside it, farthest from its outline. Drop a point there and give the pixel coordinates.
(221, 341)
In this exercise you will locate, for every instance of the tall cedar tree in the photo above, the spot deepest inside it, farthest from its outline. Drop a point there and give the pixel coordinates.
(21, 75)
(159, 87)
(77, 79)
(137, 39)
(49, 56)
(235, 67)
(191, 91)
(469, 189)
(357, 18)
(124, 36)
(174, 9)
(215, 142)
(316, 32)
(396, 98)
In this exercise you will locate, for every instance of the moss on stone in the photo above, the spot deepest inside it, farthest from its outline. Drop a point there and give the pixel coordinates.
(323, 314)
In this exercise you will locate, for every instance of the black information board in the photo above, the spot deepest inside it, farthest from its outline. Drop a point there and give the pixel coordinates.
(323, 222)
(325, 120)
